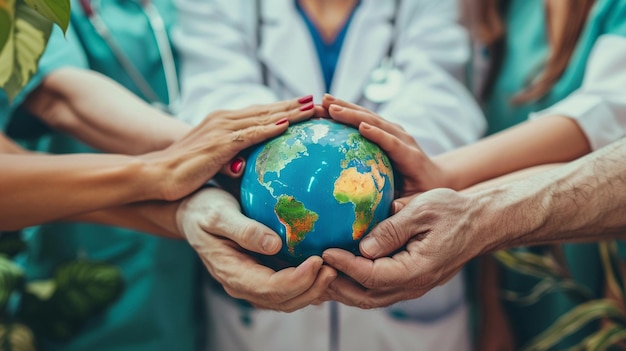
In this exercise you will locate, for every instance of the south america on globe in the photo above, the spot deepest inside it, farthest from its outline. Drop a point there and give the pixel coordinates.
(320, 184)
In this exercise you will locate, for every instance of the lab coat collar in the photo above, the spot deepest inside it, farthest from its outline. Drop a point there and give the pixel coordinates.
(288, 50)
(285, 35)
(365, 45)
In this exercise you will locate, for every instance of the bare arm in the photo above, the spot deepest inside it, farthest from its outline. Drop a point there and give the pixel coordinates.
(39, 188)
(582, 201)
(212, 222)
(102, 113)
(547, 140)
(7, 146)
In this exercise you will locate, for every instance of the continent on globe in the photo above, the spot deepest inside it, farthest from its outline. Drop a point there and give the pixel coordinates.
(320, 184)
(296, 218)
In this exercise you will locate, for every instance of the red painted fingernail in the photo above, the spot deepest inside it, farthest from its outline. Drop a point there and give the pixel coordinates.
(307, 107)
(282, 121)
(305, 99)
(236, 165)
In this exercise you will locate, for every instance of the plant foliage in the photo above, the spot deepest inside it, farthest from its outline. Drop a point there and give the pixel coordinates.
(25, 27)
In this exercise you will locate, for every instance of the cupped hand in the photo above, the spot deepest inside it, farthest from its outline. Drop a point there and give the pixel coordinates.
(221, 235)
(438, 233)
(209, 147)
(417, 170)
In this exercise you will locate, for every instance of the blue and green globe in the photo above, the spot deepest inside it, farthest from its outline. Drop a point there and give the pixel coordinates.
(319, 185)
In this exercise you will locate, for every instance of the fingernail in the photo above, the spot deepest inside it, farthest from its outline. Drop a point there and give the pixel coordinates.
(328, 96)
(370, 247)
(305, 99)
(365, 125)
(282, 121)
(336, 108)
(307, 107)
(270, 243)
(236, 165)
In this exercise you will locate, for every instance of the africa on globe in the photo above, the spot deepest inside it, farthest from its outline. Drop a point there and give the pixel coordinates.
(320, 184)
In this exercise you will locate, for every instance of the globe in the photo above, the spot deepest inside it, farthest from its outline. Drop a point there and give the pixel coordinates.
(320, 184)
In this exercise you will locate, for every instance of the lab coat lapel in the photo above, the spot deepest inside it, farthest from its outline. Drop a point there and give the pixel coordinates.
(288, 50)
(364, 46)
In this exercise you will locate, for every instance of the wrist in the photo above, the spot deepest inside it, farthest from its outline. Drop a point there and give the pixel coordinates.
(450, 176)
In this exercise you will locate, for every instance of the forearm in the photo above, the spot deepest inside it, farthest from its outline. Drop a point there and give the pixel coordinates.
(7, 146)
(41, 188)
(552, 139)
(581, 201)
(74, 101)
(155, 217)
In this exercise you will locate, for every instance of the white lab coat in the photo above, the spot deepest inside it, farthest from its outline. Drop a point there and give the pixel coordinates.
(220, 70)
(599, 105)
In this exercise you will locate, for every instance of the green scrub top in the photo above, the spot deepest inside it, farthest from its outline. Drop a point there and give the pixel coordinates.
(158, 309)
(526, 51)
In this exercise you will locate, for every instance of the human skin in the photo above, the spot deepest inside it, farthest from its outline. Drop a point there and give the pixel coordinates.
(102, 113)
(212, 222)
(440, 230)
(107, 180)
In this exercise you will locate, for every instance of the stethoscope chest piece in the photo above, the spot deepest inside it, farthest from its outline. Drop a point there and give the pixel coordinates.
(384, 83)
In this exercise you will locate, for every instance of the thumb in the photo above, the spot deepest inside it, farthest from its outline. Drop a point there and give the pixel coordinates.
(247, 233)
(388, 236)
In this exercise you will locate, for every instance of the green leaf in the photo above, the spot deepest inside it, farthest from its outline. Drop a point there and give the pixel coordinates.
(11, 243)
(7, 11)
(16, 337)
(605, 338)
(572, 321)
(545, 286)
(612, 271)
(528, 263)
(56, 11)
(11, 279)
(43, 289)
(85, 287)
(23, 49)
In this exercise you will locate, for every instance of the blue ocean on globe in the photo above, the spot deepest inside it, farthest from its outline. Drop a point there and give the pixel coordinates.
(319, 185)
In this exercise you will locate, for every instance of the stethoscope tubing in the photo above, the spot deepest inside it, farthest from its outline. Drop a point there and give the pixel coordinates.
(157, 26)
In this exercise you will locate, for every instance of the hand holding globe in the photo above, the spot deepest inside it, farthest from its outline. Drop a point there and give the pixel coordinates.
(319, 185)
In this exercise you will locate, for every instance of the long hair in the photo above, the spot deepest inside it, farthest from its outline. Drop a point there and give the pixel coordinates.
(488, 27)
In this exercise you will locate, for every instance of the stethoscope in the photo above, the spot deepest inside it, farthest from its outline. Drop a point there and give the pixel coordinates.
(384, 82)
(157, 25)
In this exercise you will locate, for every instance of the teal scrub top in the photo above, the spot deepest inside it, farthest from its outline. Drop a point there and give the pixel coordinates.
(158, 310)
(526, 51)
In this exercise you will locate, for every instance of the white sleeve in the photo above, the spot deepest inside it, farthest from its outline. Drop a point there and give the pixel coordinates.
(219, 66)
(435, 107)
(599, 105)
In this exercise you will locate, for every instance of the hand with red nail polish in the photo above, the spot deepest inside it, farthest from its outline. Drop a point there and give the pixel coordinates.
(212, 146)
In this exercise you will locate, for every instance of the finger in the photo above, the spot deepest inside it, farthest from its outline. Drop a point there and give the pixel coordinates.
(349, 293)
(320, 112)
(318, 289)
(328, 100)
(389, 235)
(403, 155)
(287, 283)
(383, 272)
(242, 138)
(234, 168)
(255, 111)
(231, 224)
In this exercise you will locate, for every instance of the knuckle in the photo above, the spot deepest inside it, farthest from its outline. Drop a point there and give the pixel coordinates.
(393, 234)
(248, 236)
